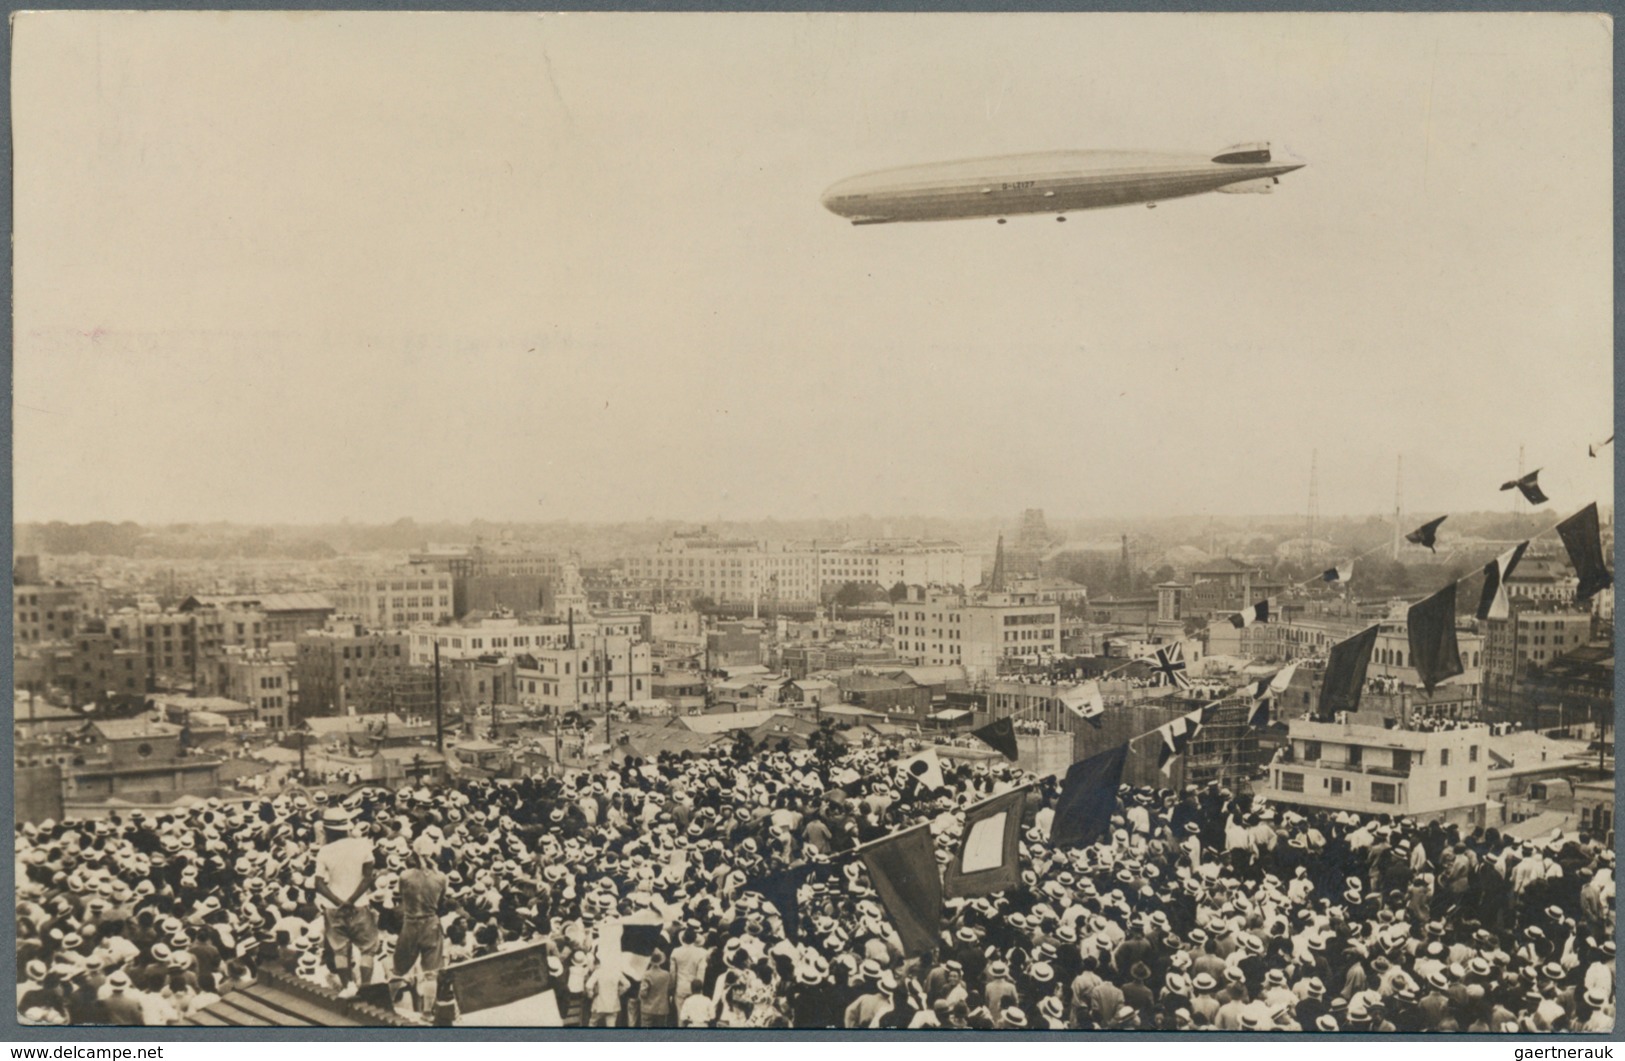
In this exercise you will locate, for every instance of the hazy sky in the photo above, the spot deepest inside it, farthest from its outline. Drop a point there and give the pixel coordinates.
(314, 266)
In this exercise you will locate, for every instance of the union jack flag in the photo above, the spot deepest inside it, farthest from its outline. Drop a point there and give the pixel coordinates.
(1168, 666)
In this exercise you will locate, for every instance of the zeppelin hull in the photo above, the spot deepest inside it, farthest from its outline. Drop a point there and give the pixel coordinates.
(1054, 183)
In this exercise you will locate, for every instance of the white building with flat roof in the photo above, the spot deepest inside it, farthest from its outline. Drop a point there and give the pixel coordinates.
(1437, 775)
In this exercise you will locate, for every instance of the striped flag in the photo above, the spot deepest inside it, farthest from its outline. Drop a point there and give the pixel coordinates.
(1266, 689)
(1582, 537)
(1492, 602)
(1257, 613)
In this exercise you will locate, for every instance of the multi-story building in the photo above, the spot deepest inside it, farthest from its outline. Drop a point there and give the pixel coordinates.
(184, 648)
(1529, 639)
(1439, 775)
(42, 612)
(494, 637)
(285, 615)
(139, 762)
(263, 682)
(740, 570)
(92, 668)
(937, 628)
(399, 597)
(488, 576)
(597, 670)
(346, 669)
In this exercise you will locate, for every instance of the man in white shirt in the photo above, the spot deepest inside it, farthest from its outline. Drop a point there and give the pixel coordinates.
(344, 876)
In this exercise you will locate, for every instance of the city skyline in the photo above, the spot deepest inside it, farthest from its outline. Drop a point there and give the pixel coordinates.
(278, 270)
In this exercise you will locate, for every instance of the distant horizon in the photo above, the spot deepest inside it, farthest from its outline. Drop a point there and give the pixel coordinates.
(1555, 512)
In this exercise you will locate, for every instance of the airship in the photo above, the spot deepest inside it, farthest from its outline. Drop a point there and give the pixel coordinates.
(1052, 182)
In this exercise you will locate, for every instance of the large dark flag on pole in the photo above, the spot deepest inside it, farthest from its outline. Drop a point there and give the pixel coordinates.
(903, 869)
(1427, 534)
(1000, 735)
(988, 859)
(1431, 626)
(1492, 602)
(1583, 539)
(781, 890)
(1345, 674)
(1083, 814)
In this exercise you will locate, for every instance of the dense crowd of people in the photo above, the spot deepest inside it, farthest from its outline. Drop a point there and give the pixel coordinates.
(1200, 909)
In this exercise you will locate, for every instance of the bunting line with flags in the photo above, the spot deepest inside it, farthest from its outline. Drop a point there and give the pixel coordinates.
(1427, 534)
(1493, 602)
(988, 857)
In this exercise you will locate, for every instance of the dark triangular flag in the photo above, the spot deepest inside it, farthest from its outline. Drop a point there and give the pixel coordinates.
(1528, 486)
(1427, 534)
(1345, 674)
(988, 857)
(903, 869)
(1582, 537)
(1492, 602)
(1000, 735)
(780, 889)
(1431, 626)
(1258, 613)
(1083, 814)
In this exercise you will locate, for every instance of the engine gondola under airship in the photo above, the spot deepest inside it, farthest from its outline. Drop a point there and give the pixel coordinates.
(1052, 182)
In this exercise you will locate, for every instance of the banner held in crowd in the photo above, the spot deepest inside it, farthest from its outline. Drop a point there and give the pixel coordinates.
(903, 869)
(1083, 814)
(988, 858)
(781, 889)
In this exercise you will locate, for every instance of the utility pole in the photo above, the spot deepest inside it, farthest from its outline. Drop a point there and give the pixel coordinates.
(1399, 501)
(439, 715)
